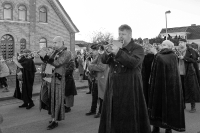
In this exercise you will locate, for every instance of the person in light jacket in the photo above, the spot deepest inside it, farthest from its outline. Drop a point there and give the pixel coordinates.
(4, 72)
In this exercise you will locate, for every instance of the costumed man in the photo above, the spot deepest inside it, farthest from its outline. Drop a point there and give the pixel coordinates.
(45, 92)
(26, 68)
(92, 74)
(124, 109)
(189, 72)
(166, 105)
(57, 61)
(146, 70)
(70, 87)
(101, 77)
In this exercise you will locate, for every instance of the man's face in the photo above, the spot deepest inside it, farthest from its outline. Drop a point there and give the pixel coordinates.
(125, 35)
(57, 43)
(182, 44)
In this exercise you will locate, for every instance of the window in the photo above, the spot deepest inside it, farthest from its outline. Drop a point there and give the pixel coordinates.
(43, 43)
(7, 11)
(22, 13)
(43, 15)
(22, 44)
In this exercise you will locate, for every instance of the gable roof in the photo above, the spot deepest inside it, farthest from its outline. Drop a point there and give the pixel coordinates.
(81, 43)
(62, 14)
(173, 30)
(193, 31)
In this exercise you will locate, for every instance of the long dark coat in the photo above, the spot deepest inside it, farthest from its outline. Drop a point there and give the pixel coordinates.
(70, 87)
(124, 108)
(191, 78)
(28, 75)
(146, 71)
(166, 104)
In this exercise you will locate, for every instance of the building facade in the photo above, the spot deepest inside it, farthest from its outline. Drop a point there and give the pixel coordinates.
(190, 33)
(33, 24)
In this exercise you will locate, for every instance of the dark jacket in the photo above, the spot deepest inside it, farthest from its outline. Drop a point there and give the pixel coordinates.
(124, 108)
(191, 78)
(70, 88)
(166, 105)
(146, 71)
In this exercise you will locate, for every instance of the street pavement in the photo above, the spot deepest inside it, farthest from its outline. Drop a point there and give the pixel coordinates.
(17, 120)
(36, 89)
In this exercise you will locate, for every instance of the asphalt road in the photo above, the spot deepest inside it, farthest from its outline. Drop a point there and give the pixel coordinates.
(17, 120)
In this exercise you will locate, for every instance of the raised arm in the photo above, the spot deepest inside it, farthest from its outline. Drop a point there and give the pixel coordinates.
(132, 60)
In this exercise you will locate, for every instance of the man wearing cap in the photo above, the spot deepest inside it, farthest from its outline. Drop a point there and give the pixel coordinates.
(94, 68)
(124, 108)
(188, 68)
(166, 106)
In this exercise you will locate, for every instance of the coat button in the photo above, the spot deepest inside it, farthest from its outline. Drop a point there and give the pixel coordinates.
(129, 52)
(114, 71)
(116, 65)
(122, 66)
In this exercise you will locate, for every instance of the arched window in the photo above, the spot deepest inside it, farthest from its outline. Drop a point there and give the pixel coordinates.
(7, 11)
(22, 44)
(43, 15)
(22, 13)
(43, 43)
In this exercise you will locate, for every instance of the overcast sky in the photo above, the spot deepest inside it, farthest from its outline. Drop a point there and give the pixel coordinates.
(146, 17)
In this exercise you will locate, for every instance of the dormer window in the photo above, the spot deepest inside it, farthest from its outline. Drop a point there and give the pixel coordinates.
(7, 11)
(22, 13)
(43, 15)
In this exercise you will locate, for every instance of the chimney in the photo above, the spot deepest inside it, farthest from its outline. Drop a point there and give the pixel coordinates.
(193, 24)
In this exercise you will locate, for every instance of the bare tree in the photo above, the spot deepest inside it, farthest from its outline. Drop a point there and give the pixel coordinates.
(102, 38)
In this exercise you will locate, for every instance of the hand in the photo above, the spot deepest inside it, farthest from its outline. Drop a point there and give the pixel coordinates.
(108, 48)
(180, 57)
(115, 49)
(153, 50)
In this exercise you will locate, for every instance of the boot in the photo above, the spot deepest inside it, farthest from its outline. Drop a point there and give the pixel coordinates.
(156, 129)
(23, 105)
(193, 109)
(168, 131)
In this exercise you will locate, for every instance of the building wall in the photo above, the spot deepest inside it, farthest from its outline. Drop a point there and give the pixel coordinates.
(195, 41)
(182, 34)
(32, 30)
(54, 27)
(17, 29)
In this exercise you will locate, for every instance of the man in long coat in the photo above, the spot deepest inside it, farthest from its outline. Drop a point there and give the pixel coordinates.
(124, 108)
(59, 59)
(189, 72)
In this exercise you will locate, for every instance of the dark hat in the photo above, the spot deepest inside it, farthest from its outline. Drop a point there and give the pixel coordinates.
(94, 47)
(182, 40)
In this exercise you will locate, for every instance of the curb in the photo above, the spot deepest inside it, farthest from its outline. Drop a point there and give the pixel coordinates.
(35, 94)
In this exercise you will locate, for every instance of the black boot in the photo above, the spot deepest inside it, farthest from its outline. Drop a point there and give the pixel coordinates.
(168, 131)
(91, 113)
(30, 105)
(67, 109)
(193, 109)
(156, 129)
(23, 105)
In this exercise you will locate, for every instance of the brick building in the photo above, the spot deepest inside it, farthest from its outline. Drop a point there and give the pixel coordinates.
(32, 24)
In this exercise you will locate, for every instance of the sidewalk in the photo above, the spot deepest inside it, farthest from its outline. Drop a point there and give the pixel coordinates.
(36, 89)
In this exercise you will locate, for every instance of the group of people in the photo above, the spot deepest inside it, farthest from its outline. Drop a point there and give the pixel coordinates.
(135, 87)
(144, 86)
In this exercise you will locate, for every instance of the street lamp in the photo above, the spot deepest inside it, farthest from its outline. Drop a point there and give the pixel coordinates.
(166, 21)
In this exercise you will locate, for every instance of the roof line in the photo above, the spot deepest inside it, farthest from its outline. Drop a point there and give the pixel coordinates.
(66, 16)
